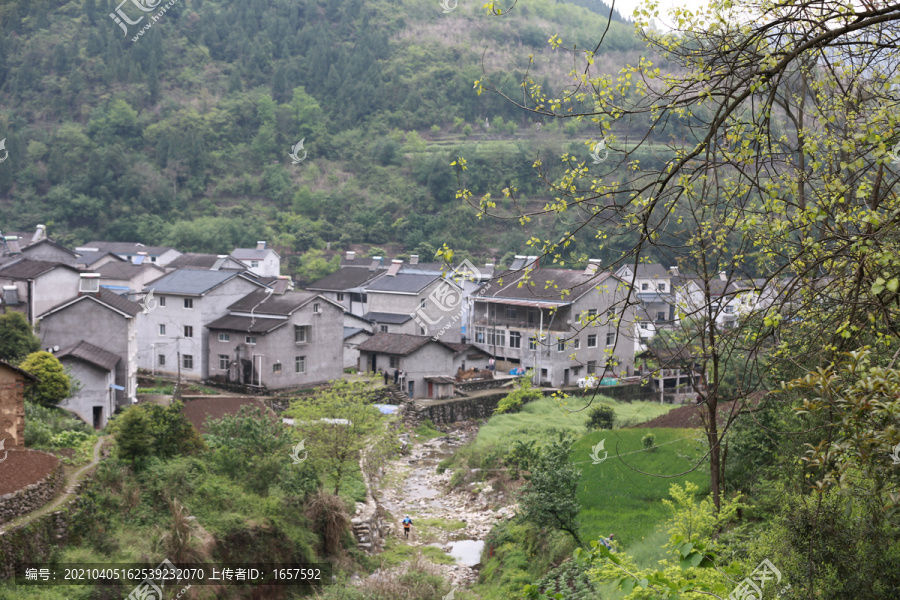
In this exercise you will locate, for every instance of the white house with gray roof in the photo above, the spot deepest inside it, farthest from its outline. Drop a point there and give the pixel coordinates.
(278, 339)
(95, 401)
(34, 286)
(186, 301)
(262, 260)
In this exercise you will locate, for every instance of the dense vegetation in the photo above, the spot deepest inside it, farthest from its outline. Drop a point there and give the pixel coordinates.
(183, 137)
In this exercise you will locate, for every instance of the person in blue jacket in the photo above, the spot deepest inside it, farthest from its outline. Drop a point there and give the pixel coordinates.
(407, 522)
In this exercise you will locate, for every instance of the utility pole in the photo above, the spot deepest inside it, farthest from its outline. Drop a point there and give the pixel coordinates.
(178, 352)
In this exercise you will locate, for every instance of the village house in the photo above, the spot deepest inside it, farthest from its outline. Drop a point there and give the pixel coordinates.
(347, 286)
(209, 262)
(34, 286)
(35, 246)
(731, 298)
(105, 319)
(278, 339)
(356, 331)
(263, 261)
(158, 255)
(173, 337)
(128, 279)
(572, 327)
(415, 304)
(12, 406)
(88, 260)
(95, 370)
(428, 365)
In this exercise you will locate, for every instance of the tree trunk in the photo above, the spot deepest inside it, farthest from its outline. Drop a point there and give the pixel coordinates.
(712, 435)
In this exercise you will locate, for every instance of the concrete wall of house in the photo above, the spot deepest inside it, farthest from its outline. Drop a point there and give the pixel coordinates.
(270, 266)
(439, 310)
(469, 360)
(166, 257)
(430, 360)
(550, 362)
(176, 317)
(103, 327)
(351, 353)
(12, 408)
(95, 391)
(49, 290)
(49, 253)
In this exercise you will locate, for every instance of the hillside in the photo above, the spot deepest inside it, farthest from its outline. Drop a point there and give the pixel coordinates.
(182, 135)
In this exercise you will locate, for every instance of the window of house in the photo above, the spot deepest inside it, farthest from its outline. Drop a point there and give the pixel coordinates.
(276, 368)
(301, 334)
(250, 339)
(610, 338)
(187, 361)
(492, 311)
(421, 331)
(592, 341)
(89, 284)
(660, 316)
(576, 371)
(479, 335)
(576, 343)
(340, 297)
(162, 360)
(560, 345)
(645, 287)
(532, 343)
(223, 362)
(300, 364)
(591, 366)
(532, 316)
(496, 337)
(189, 303)
(662, 287)
(384, 329)
(188, 331)
(162, 300)
(729, 310)
(543, 373)
(394, 362)
(511, 312)
(162, 329)
(316, 308)
(152, 259)
(224, 337)
(515, 339)
(254, 264)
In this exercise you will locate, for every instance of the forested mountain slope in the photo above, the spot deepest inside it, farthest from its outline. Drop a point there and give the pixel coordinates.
(182, 135)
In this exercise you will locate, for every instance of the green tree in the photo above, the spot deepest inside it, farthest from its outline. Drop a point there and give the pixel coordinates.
(16, 337)
(336, 424)
(53, 384)
(166, 432)
(132, 435)
(517, 398)
(549, 499)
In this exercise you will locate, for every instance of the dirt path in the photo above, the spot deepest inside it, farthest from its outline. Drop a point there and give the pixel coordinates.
(71, 481)
(456, 522)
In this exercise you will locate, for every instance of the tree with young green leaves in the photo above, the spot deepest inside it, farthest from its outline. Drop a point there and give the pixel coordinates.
(148, 429)
(549, 498)
(335, 425)
(16, 338)
(52, 385)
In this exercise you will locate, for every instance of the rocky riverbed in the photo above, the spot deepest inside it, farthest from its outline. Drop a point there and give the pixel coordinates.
(457, 522)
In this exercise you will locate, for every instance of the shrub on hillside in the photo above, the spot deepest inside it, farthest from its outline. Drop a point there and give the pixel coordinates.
(649, 442)
(601, 417)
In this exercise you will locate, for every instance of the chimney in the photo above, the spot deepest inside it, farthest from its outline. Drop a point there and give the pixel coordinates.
(260, 245)
(351, 255)
(723, 276)
(673, 271)
(593, 265)
(39, 234)
(413, 259)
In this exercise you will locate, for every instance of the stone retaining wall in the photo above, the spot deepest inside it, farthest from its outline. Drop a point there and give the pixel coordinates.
(31, 497)
(458, 409)
(369, 524)
(482, 384)
(36, 540)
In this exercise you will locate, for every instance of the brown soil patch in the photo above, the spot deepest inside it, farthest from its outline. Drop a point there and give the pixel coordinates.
(689, 416)
(201, 409)
(24, 467)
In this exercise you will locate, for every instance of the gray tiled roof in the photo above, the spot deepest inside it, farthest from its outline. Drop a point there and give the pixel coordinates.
(247, 324)
(573, 283)
(197, 260)
(411, 283)
(124, 270)
(349, 332)
(89, 258)
(344, 279)
(651, 271)
(397, 343)
(128, 248)
(29, 269)
(90, 353)
(262, 302)
(387, 318)
(104, 296)
(251, 253)
(190, 282)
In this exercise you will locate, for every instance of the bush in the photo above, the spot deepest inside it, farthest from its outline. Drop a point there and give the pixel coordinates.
(601, 417)
(649, 442)
(514, 400)
(44, 422)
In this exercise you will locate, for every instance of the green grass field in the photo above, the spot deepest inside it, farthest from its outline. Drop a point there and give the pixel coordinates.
(615, 498)
(565, 414)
